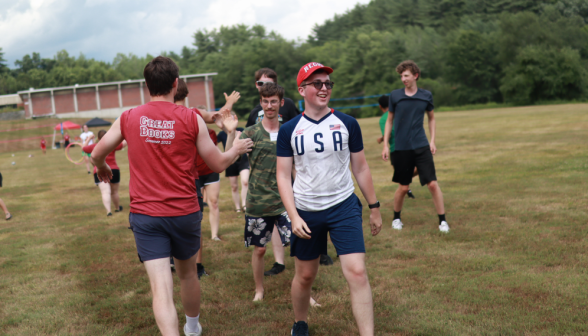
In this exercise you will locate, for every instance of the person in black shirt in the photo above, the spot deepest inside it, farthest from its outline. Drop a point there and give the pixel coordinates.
(287, 111)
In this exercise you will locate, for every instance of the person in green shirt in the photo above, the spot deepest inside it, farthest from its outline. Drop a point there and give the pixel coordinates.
(383, 101)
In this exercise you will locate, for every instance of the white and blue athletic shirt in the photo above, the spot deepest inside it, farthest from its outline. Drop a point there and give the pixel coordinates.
(322, 152)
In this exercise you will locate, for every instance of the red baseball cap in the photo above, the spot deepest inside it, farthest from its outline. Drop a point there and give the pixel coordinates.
(309, 69)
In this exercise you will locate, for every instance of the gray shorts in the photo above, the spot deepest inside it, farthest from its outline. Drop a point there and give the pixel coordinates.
(162, 237)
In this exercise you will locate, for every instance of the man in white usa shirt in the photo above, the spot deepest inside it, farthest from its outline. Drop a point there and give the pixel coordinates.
(321, 142)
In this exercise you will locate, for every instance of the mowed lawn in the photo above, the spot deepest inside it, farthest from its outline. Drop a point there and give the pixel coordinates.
(514, 263)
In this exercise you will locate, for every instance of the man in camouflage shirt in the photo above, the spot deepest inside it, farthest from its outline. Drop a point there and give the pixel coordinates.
(264, 205)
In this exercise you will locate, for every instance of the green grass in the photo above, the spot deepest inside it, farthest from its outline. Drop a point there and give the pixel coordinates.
(514, 263)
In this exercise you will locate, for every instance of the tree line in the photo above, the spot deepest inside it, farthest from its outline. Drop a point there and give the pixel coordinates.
(470, 52)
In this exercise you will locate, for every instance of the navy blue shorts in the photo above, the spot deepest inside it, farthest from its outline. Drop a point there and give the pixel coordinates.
(343, 222)
(162, 237)
(258, 230)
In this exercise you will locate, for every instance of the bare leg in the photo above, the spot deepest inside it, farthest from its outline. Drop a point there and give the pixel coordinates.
(199, 254)
(204, 198)
(105, 190)
(399, 197)
(355, 273)
(4, 208)
(257, 264)
(306, 271)
(162, 283)
(87, 161)
(114, 195)
(213, 190)
(437, 197)
(277, 246)
(234, 180)
(189, 285)
(244, 185)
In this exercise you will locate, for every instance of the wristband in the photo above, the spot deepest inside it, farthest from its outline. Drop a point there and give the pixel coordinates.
(375, 205)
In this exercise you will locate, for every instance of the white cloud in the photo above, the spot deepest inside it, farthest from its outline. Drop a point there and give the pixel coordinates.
(102, 28)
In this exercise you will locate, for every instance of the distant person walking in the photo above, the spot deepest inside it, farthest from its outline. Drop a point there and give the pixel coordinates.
(85, 135)
(43, 145)
(109, 191)
(165, 216)
(65, 140)
(7, 214)
(407, 108)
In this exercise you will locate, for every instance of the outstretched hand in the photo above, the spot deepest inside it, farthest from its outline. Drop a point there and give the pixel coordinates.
(233, 98)
(229, 121)
(242, 145)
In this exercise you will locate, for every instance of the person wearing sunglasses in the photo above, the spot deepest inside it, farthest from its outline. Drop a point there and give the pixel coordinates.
(322, 143)
(287, 111)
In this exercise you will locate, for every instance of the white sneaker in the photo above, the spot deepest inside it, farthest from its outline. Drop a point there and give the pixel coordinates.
(198, 333)
(444, 227)
(397, 224)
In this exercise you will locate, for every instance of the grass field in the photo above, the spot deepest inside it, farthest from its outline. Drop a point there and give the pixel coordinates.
(514, 263)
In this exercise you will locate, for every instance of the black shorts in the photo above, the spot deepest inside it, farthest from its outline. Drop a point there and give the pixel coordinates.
(207, 179)
(0, 180)
(199, 194)
(241, 164)
(392, 158)
(162, 237)
(406, 160)
(115, 177)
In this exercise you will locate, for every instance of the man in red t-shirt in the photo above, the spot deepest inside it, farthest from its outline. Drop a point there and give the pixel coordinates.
(165, 217)
(65, 140)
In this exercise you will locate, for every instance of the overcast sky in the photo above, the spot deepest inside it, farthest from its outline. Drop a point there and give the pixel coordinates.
(102, 28)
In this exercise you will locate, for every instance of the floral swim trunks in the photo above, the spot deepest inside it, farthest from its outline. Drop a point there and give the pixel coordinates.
(258, 230)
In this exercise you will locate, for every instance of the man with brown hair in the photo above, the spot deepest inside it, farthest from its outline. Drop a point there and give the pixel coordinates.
(287, 111)
(165, 216)
(407, 108)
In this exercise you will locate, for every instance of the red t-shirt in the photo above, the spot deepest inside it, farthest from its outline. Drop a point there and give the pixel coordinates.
(110, 158)
(66, 137)
(200, 164)
(43, 143)
(161, 137)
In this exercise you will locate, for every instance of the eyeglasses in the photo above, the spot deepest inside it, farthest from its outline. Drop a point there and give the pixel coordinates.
(260, 83)
(319, 85)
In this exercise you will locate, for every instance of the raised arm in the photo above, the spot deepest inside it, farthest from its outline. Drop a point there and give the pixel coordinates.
(212, 156)
(363, 176)
(432, 131)
(107, 144)
(387, 133)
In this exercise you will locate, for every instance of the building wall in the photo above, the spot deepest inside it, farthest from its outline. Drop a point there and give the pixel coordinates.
(42, 103)
(109, 97)
(197, 93)
(64, 101)
(86, 99)
(131, 94)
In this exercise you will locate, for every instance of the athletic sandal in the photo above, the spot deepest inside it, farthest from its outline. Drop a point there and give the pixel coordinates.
(326, 260)
(8, 216)
(299, 328)
(275, 270)
(197, 333)
(119, 209)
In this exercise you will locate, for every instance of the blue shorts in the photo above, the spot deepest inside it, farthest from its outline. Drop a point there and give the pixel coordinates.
(343, 222)
(162, 237)
(258, 230)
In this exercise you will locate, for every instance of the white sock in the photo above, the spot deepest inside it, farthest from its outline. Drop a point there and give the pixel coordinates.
(192, 323)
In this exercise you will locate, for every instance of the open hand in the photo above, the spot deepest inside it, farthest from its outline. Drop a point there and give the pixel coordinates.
(242, 146)
(232, 99)
(229, 121)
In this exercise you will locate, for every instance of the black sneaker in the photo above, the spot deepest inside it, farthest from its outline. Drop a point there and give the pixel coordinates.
(172, 264)
(326, 260)
(119, 209)
(276, 269)
(201, 271)
(300, 328)
(410, 194)
(109, 214)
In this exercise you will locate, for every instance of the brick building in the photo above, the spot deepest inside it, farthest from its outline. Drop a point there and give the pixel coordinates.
(106, 100)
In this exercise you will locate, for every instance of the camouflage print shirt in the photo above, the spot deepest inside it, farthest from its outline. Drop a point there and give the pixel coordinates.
(263, 198)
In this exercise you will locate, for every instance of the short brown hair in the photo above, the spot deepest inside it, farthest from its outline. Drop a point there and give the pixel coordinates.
(269, 73)
(182, 91)
(101, 134)
(270, 90)
(160, 75)
(409, 65)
